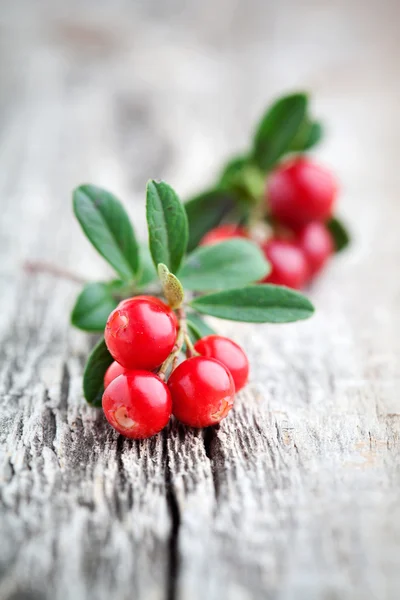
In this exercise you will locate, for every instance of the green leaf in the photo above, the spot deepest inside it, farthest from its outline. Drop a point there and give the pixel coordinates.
(107, 226)
(172, 287)
(94, 304)
(232, 169)
(206, 211)
(278, 129)
(315, 135)
(340, 235)
(198, 327)
(148, 271)
(93, 377)
(256, 304)
(308, 136)
(225, 265)
(243, 179)
(168, 226)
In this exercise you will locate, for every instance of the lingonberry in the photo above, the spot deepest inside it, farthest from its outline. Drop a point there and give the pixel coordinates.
(159, 302)
(223, 233)
(317, 244)
(300, 191)
(288, 264)
(112, 372)
(140, 333)
(202, 391)
(229, 354)
(137, 404)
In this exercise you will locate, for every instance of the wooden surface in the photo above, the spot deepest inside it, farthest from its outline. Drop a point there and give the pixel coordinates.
(297, 494)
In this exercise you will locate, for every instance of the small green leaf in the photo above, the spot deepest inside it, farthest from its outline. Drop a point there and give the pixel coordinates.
(198, 327)
(206, 211)
(172, 287)
(225, 265)
(340, 235)
(243, 179)
(168, 226)
(278, 129)
(232, 169)
(315, 135)
(256, 304)
(107, 226)
(308, 136)
(93, 377)
(94, 304)
(148, 271)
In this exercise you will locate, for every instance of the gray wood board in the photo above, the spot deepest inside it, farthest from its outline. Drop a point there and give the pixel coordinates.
(297, 494)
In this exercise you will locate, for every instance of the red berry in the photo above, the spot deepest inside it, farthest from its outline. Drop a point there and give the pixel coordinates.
(229, 354)
(157, 301)
(300, 191)
(317, 244)
(202, 391)
(223, 233)
(137, 404)
(288, 264)
(140, 333)
(112, 372)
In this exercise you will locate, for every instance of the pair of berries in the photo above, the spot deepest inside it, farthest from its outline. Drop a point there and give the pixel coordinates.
(140, 334)
(299, 199)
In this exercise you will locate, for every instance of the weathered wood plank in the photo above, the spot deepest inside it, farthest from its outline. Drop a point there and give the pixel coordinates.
(297, 494)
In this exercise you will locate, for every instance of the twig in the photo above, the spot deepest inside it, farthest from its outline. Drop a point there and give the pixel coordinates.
(34, 267)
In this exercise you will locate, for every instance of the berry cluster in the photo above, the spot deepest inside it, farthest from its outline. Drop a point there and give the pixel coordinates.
(145, 337)
(136, 372)
(277, 196)
(299, 199)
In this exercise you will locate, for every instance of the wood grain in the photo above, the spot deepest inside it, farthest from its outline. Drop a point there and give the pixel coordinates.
(297, 494)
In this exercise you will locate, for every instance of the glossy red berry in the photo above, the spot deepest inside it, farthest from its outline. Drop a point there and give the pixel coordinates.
(112, 372)
(300, 191)
(137, 404)
(202, 391)
(223, 233)
(229, 354)
(317, 244)
(157, 301)
(288, 264)
(140, 334)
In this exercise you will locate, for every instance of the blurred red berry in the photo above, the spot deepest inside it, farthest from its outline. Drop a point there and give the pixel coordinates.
(137, 404)
(223, 233)
(317, 244)
(229, 354)
(300, 191)
(140, 333)
(202, 391)
(157, 301)
(112, 372)
(288, 264)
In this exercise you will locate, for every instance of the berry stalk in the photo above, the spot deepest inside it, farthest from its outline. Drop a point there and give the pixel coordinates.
(171, 361)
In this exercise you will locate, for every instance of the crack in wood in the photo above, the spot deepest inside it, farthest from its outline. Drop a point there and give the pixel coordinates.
(175, 518)
(210, 440)
(64, 388)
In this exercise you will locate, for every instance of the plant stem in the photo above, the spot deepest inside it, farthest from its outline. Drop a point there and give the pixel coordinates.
(190, 351)
(34, 267)
(176, 350)
(173, 357)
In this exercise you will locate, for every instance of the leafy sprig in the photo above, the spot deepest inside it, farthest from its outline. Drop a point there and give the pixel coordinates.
(216, 280)
(286, 128)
